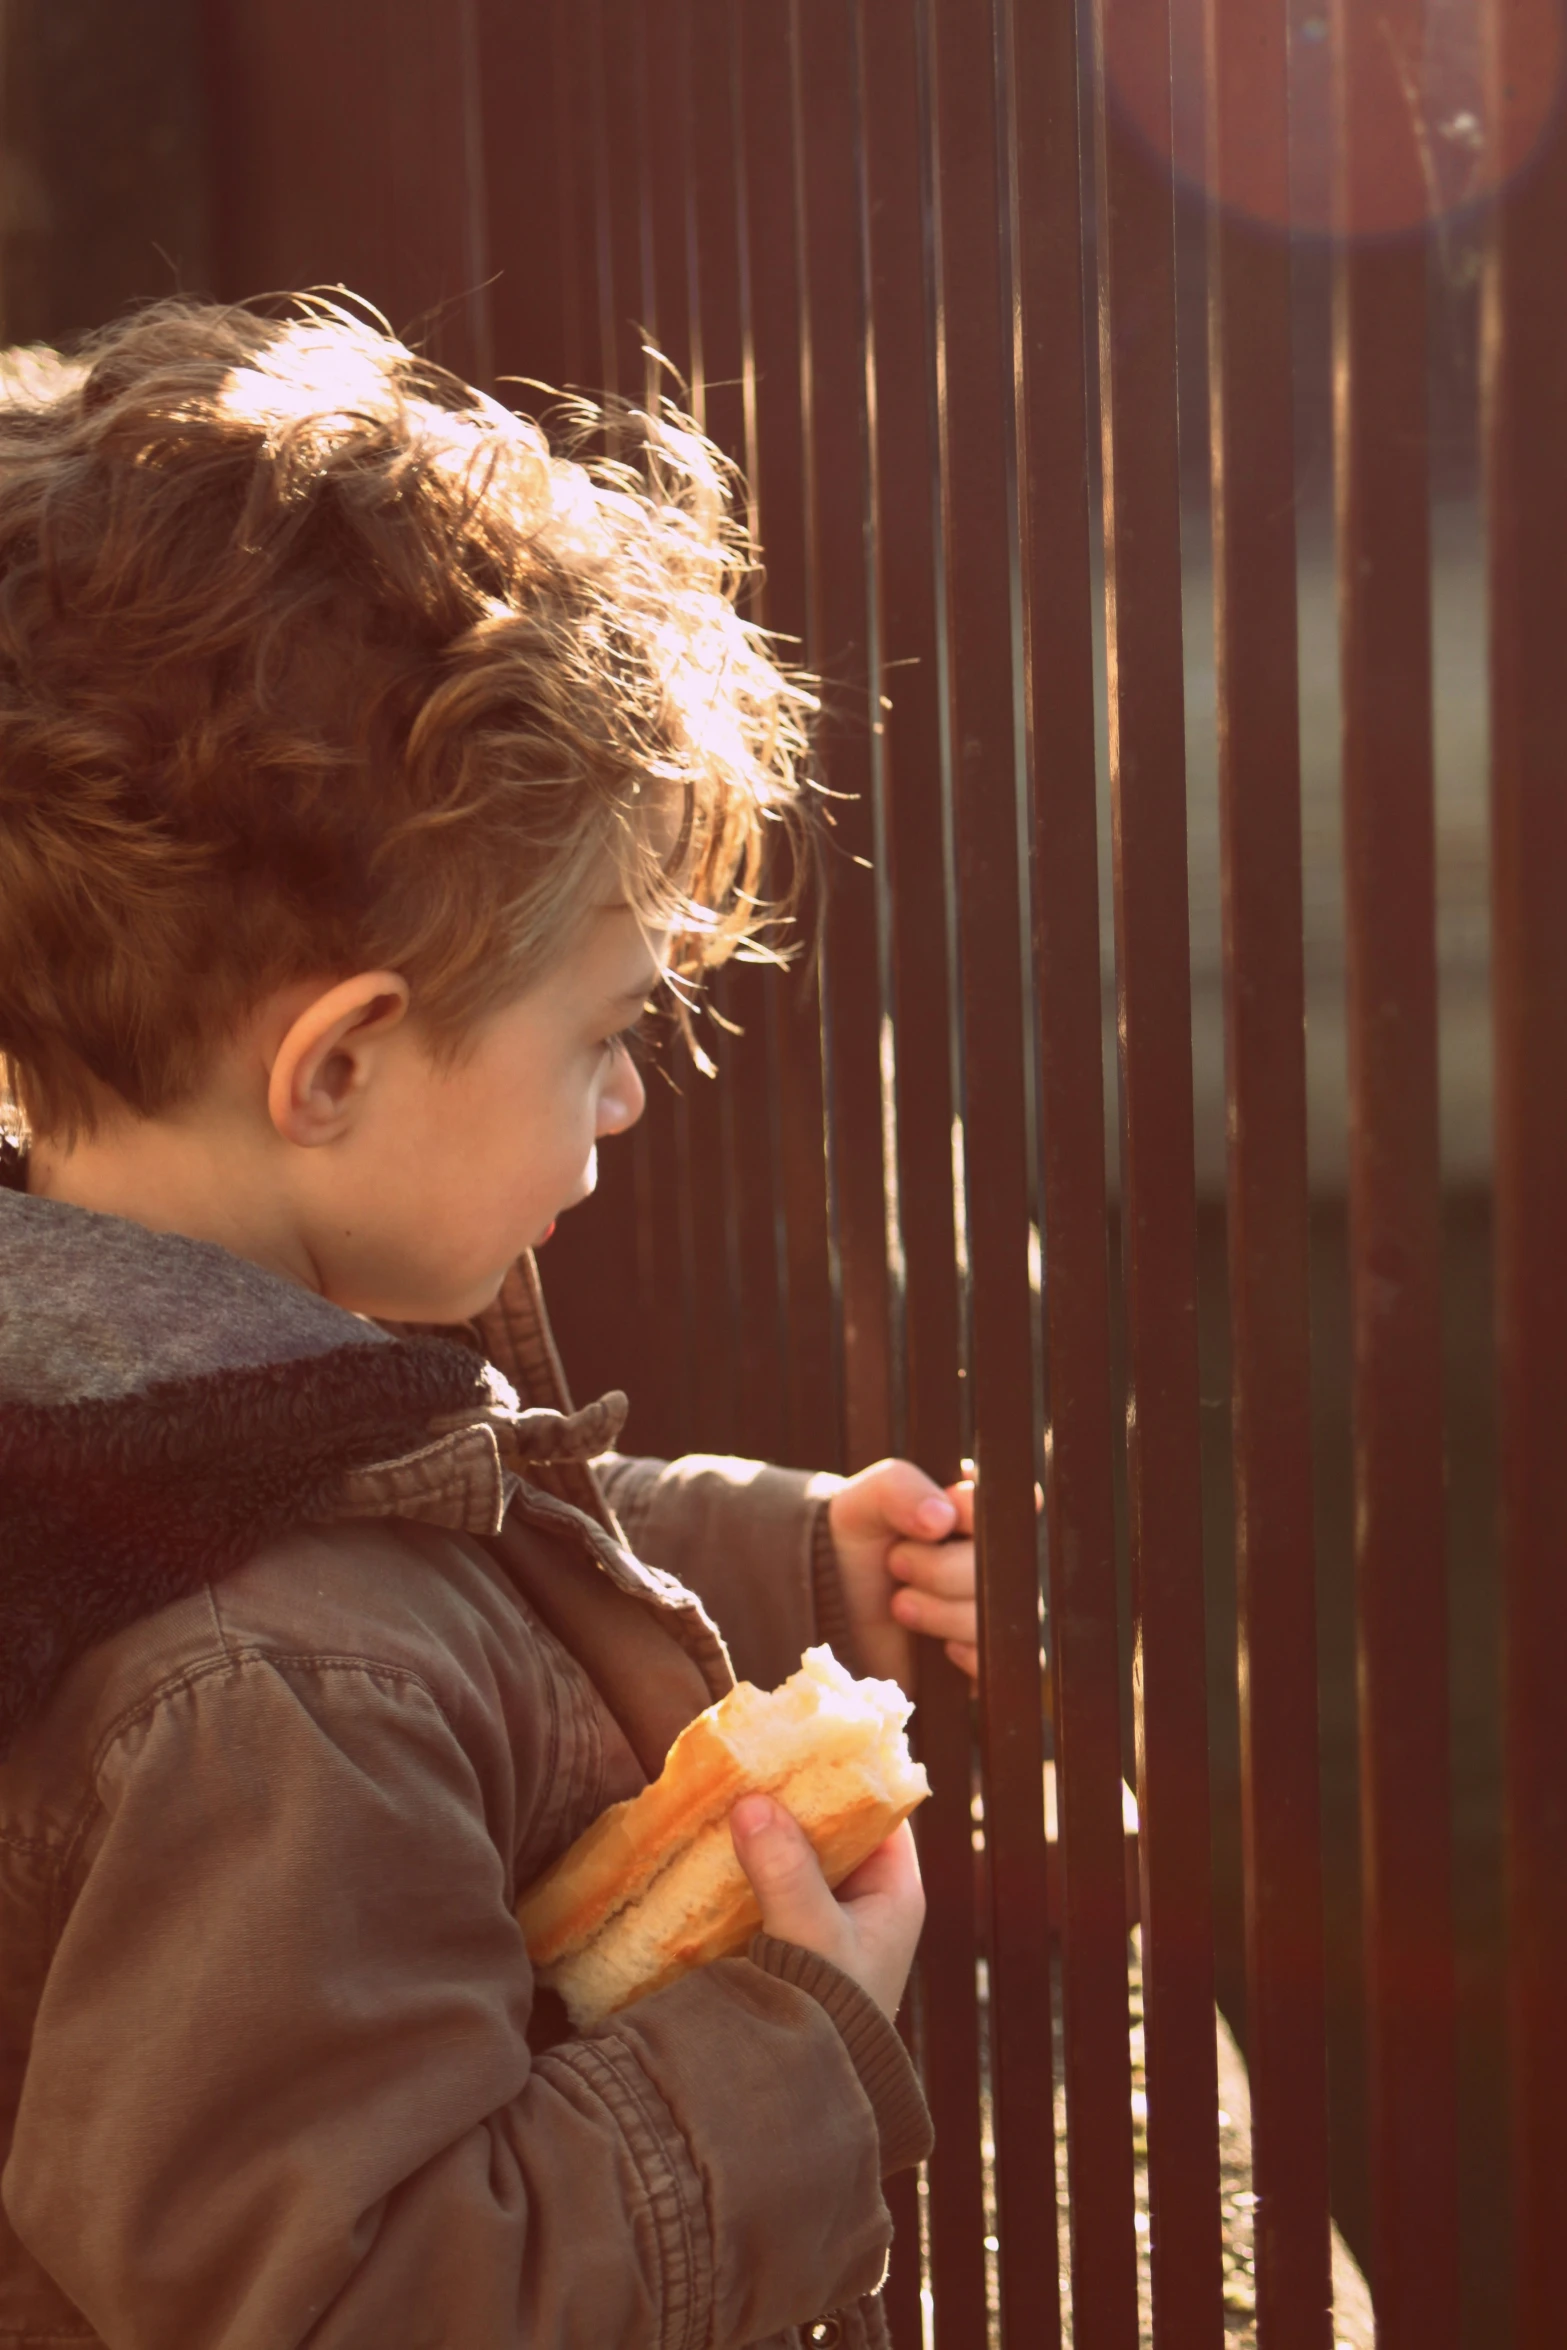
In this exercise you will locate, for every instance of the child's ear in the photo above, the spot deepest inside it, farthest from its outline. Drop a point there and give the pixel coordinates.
(329, 1055)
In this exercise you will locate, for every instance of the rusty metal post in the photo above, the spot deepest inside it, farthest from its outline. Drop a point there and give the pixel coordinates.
(837, 424)
(1524, 367)
(753, 990)
(1142, 528)
(525, 178)
(310, 190)
(600, 1262)
(573, 195)
(1251, 414)
(1040, 67)
(707, 1104)
(836, 391)
(975, 361)
(660, 1147)
(619, 131)
(769, 110)
(1384, 586)
(903, 457)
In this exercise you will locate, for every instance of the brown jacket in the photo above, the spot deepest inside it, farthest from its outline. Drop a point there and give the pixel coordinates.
(315, 1648)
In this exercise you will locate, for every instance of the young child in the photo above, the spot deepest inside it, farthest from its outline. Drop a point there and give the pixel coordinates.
(364, 767)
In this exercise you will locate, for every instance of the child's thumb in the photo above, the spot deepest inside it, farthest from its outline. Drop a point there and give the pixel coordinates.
(784, 1872)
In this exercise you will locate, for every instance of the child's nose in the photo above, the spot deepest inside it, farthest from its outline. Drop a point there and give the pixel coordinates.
(624, 1097)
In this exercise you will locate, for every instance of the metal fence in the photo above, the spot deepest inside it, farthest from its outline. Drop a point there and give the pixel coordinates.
(915, 262)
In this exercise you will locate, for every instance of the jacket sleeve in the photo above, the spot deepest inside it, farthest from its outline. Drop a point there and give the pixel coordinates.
(751, 1541)
(280, 2091)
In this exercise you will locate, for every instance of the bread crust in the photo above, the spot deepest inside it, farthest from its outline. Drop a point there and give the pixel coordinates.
(653, 1888)
(627, 1846)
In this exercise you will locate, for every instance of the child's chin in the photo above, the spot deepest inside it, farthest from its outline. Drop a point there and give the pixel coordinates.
(430, 1301)
(454, 1304)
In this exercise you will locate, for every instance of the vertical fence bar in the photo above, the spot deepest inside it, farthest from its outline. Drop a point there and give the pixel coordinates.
(769, 108)
(875, 1395)
(1252, 411)
(1524, 362)
(839, 633)
(754, 988)
(975, 364)
(749, 1072)
(1040, 65)
(1384, 588)
(601, 310)
(623, 180)
(727, 1191)
(707, 1104)
(476, 278)
(630, 1220)
(573, 198)
(666, 297)
(600, 1261)
(524, 137)
(904, 457)
(837, 359)
(309, 187)
(1142, 526)
(669, 1421)
(714, 225)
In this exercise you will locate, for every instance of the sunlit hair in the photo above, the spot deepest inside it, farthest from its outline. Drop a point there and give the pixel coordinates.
(313, 660)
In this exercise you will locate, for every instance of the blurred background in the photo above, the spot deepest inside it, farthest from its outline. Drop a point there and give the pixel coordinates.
(244, 145)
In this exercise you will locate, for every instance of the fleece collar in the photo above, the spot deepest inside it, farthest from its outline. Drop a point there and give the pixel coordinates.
(167, 1408)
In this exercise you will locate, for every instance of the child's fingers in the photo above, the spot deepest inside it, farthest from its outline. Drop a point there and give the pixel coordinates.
(938, 1619)
(966, 1658)
(892, 1497)
(785, 1874)
(869, 1928)
(946, 1568)
(892, 1870)
(961, 1497)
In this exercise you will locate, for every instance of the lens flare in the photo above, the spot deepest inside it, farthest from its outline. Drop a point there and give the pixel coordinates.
(1438, 126)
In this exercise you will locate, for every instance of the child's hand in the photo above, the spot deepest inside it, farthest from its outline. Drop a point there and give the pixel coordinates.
(901, 1574)
(869, 1928)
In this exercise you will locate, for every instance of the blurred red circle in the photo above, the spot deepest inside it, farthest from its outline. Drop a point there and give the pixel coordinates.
(1440, 115)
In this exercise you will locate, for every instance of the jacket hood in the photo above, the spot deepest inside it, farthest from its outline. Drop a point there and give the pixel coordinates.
(167, 1408)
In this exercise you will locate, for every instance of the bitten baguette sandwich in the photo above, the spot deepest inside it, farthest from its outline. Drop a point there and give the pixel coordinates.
(654, 1888)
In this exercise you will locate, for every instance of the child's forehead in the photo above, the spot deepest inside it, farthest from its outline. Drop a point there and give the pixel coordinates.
(620, 955)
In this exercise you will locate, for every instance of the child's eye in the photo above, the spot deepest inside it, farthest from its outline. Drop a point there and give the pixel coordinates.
(626, 1040)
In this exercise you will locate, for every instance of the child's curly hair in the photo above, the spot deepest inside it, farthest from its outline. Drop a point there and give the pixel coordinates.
(313, 659)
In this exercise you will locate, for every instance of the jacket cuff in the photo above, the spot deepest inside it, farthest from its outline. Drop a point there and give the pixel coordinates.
(878, 2055)
(828, 1605)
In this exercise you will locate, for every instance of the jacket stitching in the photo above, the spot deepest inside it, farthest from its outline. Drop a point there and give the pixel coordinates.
(52, 1855)
(547, 1775)
(693, 2330)
(55, 2333)
(217, 1619)
(684, 1614)
(573, 1769)
(597, 2059)
(593, 2058)
(629, 1490)
(328, 1660)
(203, 1669)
